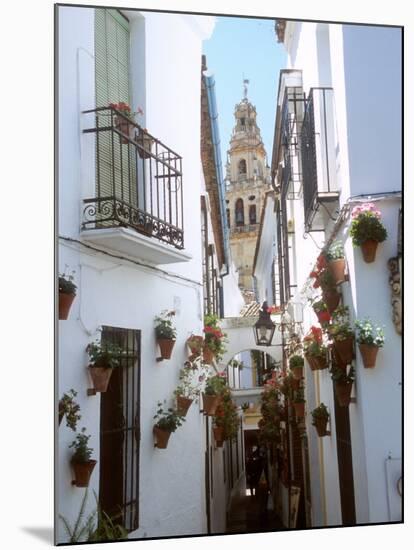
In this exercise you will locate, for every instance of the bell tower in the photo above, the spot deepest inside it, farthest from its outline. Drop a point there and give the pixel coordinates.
(247, 180)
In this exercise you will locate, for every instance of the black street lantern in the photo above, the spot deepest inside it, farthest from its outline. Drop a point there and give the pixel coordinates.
(264, 328)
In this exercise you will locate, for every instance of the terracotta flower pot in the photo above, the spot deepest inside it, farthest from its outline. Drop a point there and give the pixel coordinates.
(82, 472)
(337, 269)
(369, 250)
(368, 354)
(183, 404)
(343, 393)
(320, 362)
(100, 377)
(161, 437)
(320, 425)
(166, 346)
(146, 142)
(317, 362)
(210, 404)
(125, 127)
(208, 355)
(295, 383)
(331, 299)
(345, 350)
(218, 432)
(297, 373)
(310, 360)
(299, 409)
(65, 302)
(323, 316)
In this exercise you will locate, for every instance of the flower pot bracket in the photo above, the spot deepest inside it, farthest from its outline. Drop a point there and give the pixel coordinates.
(91, 391)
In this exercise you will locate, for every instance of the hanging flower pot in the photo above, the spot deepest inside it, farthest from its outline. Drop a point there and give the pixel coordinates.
(183, 404)
(166, 346)
(331, 298)
(345, 350)
(126, 128)
(82, 472)
(81, 461)
(210, 404)
(343, 393)
(337, 269)
(299, 409)
(367, 230)
(161, 437)
(310, 360)
(320, 362)
(67, 293)
(218, 432)
(320, 425)
(65, 303)
(369, 250)
(368, 354)
(297, 373)
(208, 355)
(146, 142)
(100, 377)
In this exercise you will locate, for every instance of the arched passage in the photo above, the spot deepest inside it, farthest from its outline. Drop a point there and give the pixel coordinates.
(240, 337)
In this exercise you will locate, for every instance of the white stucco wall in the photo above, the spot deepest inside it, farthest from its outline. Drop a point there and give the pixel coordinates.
(166, 57)
(363, 65)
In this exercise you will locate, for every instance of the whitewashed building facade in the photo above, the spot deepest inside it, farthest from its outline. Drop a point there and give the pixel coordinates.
(337, 144)
(129, 230)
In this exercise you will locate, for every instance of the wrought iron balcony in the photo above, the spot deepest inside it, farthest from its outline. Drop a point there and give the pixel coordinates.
(319, 149)
(138, 180)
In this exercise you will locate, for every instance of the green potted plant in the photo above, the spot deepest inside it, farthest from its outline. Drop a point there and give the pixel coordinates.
(315, 350)
(81, 461)
(195, 343)
(343, 382)
(367, 230)
(187, 390)
(321, 310)
(296, 363)
(214, 342)
(67, 293)
(166, 422)
(336, 261)
(165, 333)
(370, 339)
(213, 390)
(104, 357)
(343, 335)
(69, 408)
(320, 417)
(299, 403)
(330, 294)
(97, 526)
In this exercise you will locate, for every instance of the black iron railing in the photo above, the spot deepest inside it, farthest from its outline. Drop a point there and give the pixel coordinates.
(138, 180)
(308, 152)
(291, 120)
(318, 151)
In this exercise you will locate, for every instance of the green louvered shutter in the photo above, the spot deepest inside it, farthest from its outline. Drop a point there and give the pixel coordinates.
(112, 86)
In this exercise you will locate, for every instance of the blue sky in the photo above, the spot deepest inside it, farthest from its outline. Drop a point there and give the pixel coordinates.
(245, 48)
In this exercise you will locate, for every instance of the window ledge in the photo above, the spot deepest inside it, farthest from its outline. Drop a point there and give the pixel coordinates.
(125, 241)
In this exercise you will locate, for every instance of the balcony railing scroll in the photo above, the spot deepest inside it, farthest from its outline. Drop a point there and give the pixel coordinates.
(138, 180)
(319, 149)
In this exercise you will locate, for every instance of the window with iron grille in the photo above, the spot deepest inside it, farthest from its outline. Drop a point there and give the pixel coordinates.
(120, 432)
